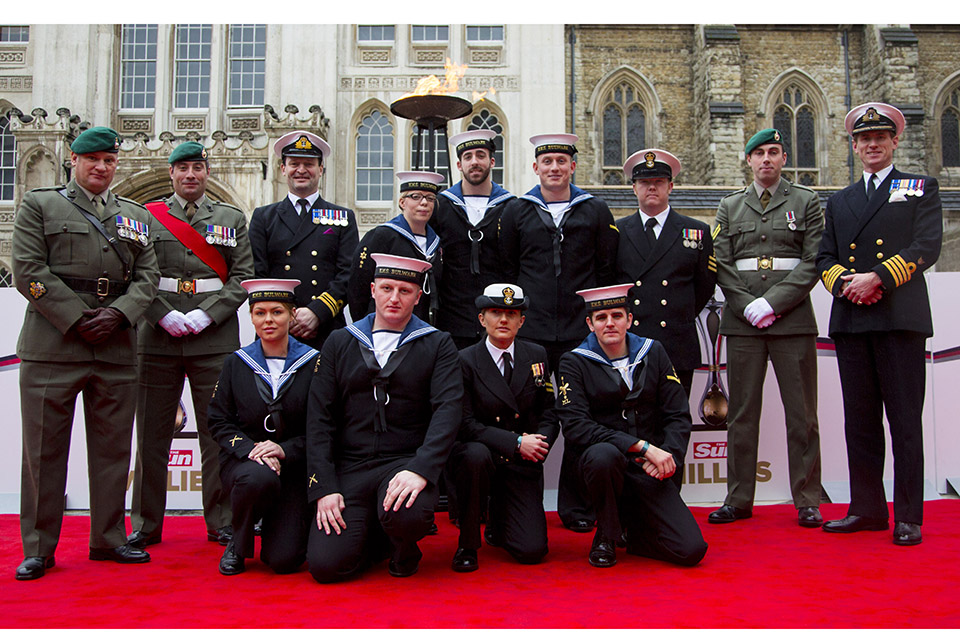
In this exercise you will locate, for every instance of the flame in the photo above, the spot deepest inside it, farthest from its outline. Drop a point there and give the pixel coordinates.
(431, 85)
(478, 96)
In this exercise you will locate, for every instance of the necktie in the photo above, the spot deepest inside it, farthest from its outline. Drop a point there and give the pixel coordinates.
(648, 230)
(303, 204)
(98, 204)
(190, 209)
(507, 367)
(871, 186)
(765, 198)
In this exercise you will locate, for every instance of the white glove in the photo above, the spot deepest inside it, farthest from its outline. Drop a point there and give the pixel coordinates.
(765, 321)
(175, 323)
(756, 310)
(198, 320)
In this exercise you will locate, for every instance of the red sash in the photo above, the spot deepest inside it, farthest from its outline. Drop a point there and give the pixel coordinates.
(189, 237)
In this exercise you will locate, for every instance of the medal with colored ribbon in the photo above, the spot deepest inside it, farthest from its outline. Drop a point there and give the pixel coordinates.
(693, 238)
(225, 236)
(336, 217)
(909, 187)
(132, 229)
(791, 220)
(538, 370)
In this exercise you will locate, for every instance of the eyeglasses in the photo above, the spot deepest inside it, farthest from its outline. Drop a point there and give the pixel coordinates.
(417, 197)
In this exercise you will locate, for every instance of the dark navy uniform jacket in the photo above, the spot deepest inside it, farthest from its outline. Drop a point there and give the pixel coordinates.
(672, 282)
(470, 257)
(552, 263)
(897, 237)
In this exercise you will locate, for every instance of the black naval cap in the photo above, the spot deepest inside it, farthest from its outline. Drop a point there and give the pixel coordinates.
(502, 296)
(189, 151)
(270, 290)
(874, 116)
(651, 163)
(764, 136)
(96, 139)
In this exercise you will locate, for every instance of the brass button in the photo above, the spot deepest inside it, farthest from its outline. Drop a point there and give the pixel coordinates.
(498, 418)
(853, 245)
(879, 256)
(664, 283)
(638, 283)
(314, 267)
(663, 323)
(636, 302)
(763, 238)
(853, 270)
(313, 282)
(288, 253)
(663, 302)
(636, 323)
(64, 227)
(763, 219)
(516, 415)
(106, 248)
(763, 276)
(879, 241)
(286, 267)
(313, 253)
(852, 259)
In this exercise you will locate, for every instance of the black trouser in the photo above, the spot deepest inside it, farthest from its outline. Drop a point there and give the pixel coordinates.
(883, 371)
(516, 501)
(280, 500)
(659, 524)
(333, 557)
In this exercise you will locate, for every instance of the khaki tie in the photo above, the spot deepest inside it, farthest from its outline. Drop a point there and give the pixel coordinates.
(190, 209)
(98, 204)
(765, 199)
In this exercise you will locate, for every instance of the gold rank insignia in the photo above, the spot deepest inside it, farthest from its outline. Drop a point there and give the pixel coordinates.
(234, 439)
(871, 115)
(564, 388)
(776, 136)
(650, 156)
(673, 377)
(303, 143)
(37, 289)
(313, 480)
(508, 295)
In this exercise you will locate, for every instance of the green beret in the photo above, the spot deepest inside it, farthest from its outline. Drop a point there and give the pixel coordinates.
(96, 139)
(766, 136)
(189, 151)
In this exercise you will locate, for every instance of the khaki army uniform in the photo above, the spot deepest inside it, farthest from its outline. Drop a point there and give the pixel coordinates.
(164, 359)
(63, 266)
(770, 252)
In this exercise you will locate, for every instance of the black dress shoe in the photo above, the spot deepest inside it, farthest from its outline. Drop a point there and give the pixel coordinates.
(398, 570)
(465, 560)
(138, 540)
(906, 534)
(809, 517)
(580, 526)
(231, 563)
(223, 535)
(490, 536)
(34, 567)
(603, 553)
(728, 513)
(622, 540)
(852, 524)
(124, 554)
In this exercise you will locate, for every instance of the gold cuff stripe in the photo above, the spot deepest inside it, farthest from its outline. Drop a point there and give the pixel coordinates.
(332, 303)
(898, 269)
(830, 276)
(716, 232)
(615, 228)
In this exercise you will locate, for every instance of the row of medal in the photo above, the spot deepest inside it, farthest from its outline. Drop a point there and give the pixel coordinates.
(133, 230)
(910, 187)
(225, 236)
(693, 238)
(791, 221)
(337, 217)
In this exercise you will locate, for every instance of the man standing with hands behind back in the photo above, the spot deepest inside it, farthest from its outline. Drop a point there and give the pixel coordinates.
(881, 234)
(306, 238)
(766, 241)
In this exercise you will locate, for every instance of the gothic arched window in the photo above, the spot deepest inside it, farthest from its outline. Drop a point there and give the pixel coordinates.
(442, 162)
(795, 117)
(375, 158)
(8, 161)
(624, 129)
(485, 119)
(950, 130)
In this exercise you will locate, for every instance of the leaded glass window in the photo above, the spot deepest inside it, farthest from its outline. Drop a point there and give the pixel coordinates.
(6, 278)
(138, 66)
(8, 161)
(247, 64)
(442, 162)
(484, 119)
(795, 118)
(624, 129)
(375, 158)
(950, 131)
(192, 66)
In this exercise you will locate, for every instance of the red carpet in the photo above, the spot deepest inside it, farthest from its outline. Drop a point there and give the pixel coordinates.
(764, 572)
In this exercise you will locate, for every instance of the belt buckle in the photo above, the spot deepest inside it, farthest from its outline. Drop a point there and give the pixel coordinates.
(764, 263)
(103, 287)
(186, 286)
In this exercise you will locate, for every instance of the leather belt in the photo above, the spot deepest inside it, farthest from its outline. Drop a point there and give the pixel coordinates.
(767, 264)
(101, 286)
(190, 287)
